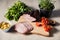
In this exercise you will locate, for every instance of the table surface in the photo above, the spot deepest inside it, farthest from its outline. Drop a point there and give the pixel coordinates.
(5, 4)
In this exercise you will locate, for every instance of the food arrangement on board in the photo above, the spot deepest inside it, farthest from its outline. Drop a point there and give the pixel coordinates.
(29, 20)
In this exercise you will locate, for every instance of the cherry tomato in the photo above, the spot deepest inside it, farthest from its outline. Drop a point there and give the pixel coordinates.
(38, 24)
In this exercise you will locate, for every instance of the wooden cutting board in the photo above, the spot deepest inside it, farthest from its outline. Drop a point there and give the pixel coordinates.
(37, 30)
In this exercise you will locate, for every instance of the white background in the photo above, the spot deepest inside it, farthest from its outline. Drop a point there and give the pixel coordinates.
(5, 4)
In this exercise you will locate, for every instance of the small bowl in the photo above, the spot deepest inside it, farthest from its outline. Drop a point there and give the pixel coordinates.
(6, 30)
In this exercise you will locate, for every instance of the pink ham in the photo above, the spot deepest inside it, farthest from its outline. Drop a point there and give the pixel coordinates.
(28, 25)
(28, 17)
(23, 27)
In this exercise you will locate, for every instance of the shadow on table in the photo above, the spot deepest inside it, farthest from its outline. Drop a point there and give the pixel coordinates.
(56, 13)
(53, 31)
(12, 29)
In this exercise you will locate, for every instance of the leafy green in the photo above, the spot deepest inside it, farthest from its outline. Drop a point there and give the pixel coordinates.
(16, 11)
(46, 5)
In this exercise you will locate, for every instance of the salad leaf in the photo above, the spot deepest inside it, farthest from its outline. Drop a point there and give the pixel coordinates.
(17, 10)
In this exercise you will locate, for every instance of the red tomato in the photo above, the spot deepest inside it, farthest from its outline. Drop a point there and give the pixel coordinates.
(47, 28)
(38, 24)
(44, 23)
